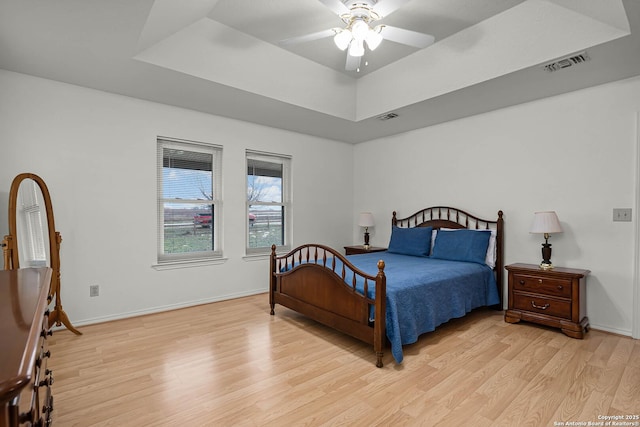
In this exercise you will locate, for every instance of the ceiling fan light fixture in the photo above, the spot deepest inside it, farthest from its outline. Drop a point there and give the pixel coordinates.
(342, 39)
(360, 18)
(356, 48)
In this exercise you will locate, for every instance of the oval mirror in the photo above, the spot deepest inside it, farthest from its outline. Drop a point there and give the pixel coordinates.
(33, 240)
(32, 230)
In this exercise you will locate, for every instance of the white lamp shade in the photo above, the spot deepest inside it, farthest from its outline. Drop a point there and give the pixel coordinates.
(366, 219)
(342, 39)
(373, 39)
(359, 29)
(356, 48)
(546, 223)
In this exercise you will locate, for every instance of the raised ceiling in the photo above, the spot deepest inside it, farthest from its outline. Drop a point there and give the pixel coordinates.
(222, 57)
(273, 21)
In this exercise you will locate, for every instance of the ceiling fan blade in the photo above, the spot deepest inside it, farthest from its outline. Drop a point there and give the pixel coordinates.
(353, 63)
(387, 7)
(408, 37)
(336, 6)
(307, 37)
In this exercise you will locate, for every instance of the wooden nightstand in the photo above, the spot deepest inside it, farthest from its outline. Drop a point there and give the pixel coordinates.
(359, 249)
(554, 297)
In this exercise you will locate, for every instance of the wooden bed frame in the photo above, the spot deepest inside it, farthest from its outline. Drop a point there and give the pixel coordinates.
(306, 280)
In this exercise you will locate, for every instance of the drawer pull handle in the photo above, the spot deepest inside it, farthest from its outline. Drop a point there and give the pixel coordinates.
(541, 307)
(539, 280)
(50, 373)
(27, 417)
(46, 382)
(560, 287)
(522, 282)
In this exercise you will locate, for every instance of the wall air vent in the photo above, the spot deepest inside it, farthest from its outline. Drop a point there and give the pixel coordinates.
(387, 116)
(567, 62)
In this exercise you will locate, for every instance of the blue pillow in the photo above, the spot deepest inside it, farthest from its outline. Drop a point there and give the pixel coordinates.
(462, 245)
(414, 241)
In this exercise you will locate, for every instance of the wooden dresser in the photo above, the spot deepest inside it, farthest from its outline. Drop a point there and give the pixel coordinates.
(25, 381)
(554, 297)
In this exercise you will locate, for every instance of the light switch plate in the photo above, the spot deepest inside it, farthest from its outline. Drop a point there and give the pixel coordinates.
(622, 214)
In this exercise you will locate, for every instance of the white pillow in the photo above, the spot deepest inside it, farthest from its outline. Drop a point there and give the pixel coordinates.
(492, 254)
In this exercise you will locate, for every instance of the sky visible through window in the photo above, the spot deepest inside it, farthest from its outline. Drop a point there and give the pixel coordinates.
(186, 184)
(192, 184)
(267, 189)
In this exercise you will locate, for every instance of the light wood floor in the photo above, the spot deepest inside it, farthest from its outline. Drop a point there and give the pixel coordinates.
(231, 363)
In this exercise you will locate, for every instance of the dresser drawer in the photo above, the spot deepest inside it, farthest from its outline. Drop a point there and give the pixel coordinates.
(542, 305)
(542, 285)
(31, 405)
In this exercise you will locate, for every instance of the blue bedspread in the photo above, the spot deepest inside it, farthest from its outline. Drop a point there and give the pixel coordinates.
(423, 293)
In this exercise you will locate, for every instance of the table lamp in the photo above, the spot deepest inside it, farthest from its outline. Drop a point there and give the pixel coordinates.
(366, 220)
(546, 223)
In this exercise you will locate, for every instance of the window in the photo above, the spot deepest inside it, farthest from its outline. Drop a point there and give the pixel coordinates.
(268, 202)
(189, 202)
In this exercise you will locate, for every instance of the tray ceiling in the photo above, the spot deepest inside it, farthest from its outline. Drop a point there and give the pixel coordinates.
(222, 57)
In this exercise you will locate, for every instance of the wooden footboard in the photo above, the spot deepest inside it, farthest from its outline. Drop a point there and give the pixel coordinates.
(319, 282)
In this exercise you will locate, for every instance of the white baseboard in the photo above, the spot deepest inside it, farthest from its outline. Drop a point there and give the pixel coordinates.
(616, 331)
(119, 316)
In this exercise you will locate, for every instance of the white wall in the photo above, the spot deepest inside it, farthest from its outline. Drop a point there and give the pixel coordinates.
(574, 154)
(97, 153)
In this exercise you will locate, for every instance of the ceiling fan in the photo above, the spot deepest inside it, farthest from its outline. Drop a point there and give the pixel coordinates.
(358, 17)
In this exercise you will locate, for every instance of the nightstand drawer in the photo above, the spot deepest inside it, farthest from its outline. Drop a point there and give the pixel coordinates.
(542, 285)
(542, 305)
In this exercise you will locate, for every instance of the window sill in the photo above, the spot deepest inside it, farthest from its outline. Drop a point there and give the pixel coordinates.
(171, 265)
(256, 257)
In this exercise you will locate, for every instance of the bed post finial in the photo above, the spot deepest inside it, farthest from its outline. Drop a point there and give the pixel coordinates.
(394, 220)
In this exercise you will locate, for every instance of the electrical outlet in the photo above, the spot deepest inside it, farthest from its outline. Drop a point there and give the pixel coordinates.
(622, 214)
(94, 290)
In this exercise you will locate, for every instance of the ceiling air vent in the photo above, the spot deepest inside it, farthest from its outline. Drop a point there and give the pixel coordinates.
(387, 116)
(567, 62)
